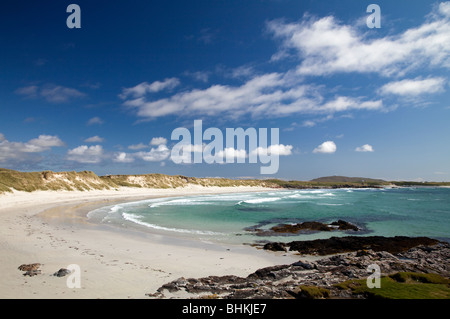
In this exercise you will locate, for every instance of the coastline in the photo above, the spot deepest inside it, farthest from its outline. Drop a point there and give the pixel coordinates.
(50, 228)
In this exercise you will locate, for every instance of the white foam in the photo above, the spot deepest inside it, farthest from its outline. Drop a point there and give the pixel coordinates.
(262, 200)
(136, 219)
(114, 209)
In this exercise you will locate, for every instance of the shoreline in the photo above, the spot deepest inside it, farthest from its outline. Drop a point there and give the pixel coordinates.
(50, 228)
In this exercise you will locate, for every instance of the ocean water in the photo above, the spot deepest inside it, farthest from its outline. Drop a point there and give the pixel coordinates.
(233, 218)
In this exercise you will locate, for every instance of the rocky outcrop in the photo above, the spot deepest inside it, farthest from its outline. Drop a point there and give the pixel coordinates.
(336, 245)
(304, 227)
(314, 279)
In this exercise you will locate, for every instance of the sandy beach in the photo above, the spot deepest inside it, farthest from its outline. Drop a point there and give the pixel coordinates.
(50, 228)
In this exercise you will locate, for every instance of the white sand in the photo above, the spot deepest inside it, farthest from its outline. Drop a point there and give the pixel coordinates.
(50, 228)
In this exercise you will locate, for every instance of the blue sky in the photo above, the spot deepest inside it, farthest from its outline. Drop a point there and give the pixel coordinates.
(347, 99)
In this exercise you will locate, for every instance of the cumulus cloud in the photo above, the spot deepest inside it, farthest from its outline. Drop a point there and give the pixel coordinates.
(157, 154)
(158, 141)
(27, 151)
(123, 157)
(86, 154)
(94, 139)
(364, 148)
(276, 149)
(326, 46)
(327, 147)
(229, 154)
(414, 87)
(50, 92)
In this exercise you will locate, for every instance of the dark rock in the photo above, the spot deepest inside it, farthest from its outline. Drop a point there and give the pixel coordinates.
(335, 245)
(319, 279)
(286, 228)
(275, 246)
(268, 272)
(343, 225)
(303, 265)
(62, 272)
(293, 229)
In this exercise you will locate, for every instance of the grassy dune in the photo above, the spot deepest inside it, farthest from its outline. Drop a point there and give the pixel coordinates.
(86, 180)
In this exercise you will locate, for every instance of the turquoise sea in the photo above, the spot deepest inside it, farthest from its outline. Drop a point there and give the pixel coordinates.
(231, 218)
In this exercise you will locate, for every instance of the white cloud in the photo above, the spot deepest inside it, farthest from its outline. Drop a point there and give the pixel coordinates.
(322, 46)
(94, 139)
(158, 141)
(231, 153)
(444, 8)
(19, 151)
(86, 154)
(95, 120)
(276, 149)
(414, 87)
(155, 154)
(327, 147)
(364, 148)
(45, 142)
(326, 46)
(60, 94)
(144, 88)
(308, 123)
(242, 72)
(273, 94)
(123, 157)
(50, 92)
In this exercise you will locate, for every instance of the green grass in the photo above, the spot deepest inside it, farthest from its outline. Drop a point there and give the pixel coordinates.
(403, 285)
(313, 292)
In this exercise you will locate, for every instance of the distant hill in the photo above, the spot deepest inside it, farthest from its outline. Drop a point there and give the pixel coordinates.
(345, 179)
